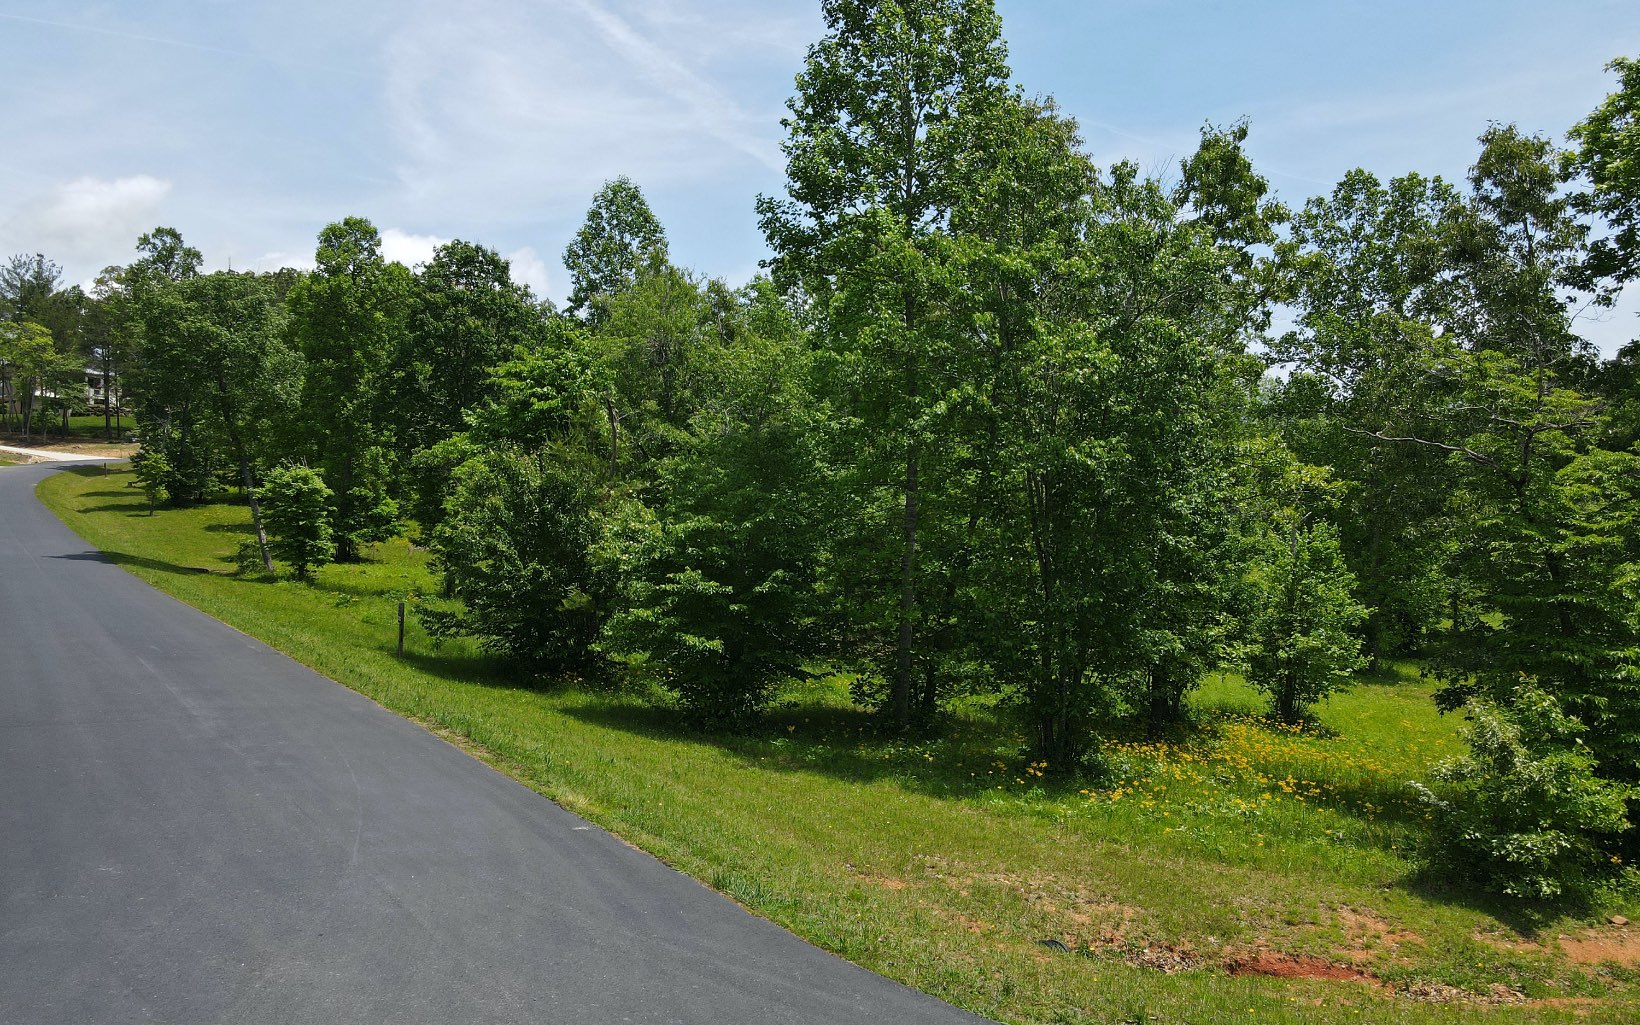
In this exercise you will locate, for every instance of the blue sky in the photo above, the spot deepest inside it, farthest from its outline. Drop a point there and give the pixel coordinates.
(248, 126)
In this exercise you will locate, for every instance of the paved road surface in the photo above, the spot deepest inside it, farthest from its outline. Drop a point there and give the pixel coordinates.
(193, 828)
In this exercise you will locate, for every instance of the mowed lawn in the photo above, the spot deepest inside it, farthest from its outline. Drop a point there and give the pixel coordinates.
(1237, 872)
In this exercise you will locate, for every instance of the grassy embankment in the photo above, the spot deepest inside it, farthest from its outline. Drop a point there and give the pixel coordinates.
(85, 437)
(1184, 890)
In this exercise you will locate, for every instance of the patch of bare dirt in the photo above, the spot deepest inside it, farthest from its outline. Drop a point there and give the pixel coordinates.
(1615, 944)
(1367, 933)
(1080, 918)
(1296, 966)
(1163, 958)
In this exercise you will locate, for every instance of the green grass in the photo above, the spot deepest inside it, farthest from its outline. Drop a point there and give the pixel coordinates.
(942, 861)
(6, 460)
(81, 428)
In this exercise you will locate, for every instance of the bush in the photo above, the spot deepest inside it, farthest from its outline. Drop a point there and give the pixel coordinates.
(1301, 641)
(515, 547)
(152, 470)
(1524, 813)
(296, 512)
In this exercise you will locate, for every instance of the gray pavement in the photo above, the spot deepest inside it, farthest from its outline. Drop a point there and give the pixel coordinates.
(194, 828)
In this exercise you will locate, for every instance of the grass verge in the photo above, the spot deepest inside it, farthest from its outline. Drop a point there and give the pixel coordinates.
(1238, 873)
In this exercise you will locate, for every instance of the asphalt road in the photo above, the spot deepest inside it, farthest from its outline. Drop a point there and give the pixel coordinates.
(194, 828)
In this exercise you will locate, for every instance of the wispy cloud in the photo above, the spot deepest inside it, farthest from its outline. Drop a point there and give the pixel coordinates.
(103, 30)
(534, 103)
(713, 110)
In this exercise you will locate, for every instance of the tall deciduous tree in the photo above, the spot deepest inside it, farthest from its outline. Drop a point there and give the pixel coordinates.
(893, 101)
(1367, 271)
(1607, 155)
(467, 316)
(233, 330)
(720, 600)
(348, 316)
(172, 409)
(620, 236)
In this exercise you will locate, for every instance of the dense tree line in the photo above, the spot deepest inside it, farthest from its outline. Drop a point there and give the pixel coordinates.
(998, 421)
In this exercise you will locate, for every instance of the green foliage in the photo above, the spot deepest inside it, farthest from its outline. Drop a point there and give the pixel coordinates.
(466, 317)
(296, 506)
(620, 236)
(1525, 812)
(1608, 157)
(348, 317)
(719, 599)
(894, 104)
(1302, 640)
(515, 546)
(154, 473)
(36, 373)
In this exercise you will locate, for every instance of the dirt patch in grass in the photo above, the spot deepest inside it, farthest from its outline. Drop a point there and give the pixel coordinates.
(1606, 945)
(1296, 966)
(1615, 945)
(1367, 933)
(1164, 958)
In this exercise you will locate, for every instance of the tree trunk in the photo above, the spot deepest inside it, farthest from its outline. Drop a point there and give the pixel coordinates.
(256, 513)
(899, 702)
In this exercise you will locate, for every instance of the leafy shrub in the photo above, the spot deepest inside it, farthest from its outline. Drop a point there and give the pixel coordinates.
(296, 511)
(1302, 643)
(1524, 813)
(153, 470)
(515, 547)
(719, 588)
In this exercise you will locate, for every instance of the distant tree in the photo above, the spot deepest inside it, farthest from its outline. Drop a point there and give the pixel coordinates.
(656, 347)
(620, 236)
(153, 473)
(297, 504)
(348, 317)
(32, 368)
(28, 286)
(164, 378)
(466, 316)
(233, 330)
(1303, 637)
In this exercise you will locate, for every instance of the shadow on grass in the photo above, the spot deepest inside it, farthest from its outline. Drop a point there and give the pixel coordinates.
(130, 494)
(124, 559)
(229, 528)
(475, 667)
(849, 744)
(1527, 919)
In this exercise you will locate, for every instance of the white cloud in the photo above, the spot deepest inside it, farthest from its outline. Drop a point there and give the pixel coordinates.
(410, 250)
(87, 219)
(529, 269)
(268, 262)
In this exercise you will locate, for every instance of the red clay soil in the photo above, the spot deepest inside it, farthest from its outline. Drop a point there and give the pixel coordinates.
(1294, 966)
